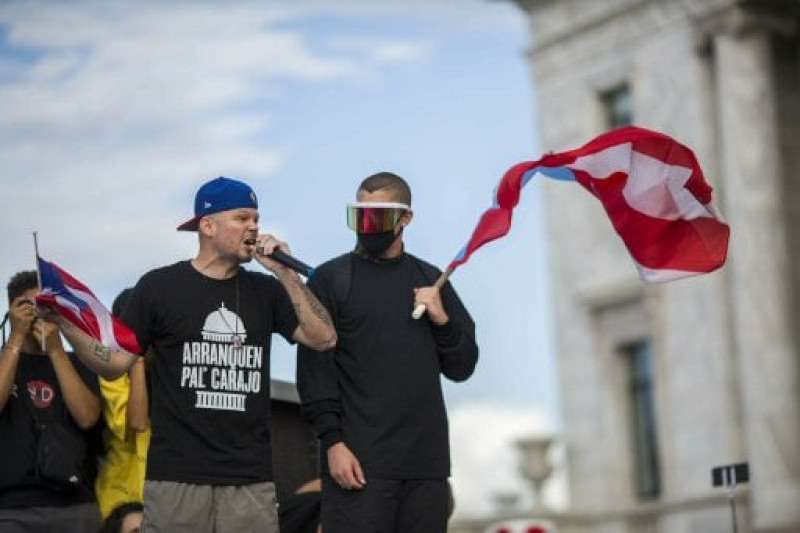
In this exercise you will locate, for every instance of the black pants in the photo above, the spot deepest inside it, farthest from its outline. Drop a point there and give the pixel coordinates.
(386, 506)
(78, 518)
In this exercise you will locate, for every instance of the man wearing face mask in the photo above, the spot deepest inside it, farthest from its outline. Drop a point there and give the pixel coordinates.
(376, 400)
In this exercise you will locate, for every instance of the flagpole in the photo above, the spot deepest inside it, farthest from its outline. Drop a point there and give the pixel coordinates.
(420, 309)
(38, 275)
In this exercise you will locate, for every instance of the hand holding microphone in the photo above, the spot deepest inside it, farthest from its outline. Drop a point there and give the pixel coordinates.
(278, 255)
(291, 262)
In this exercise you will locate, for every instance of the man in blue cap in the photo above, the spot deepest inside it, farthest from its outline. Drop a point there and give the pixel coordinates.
(205, 325)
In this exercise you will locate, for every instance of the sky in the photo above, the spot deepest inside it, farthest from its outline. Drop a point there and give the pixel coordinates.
(112, 114)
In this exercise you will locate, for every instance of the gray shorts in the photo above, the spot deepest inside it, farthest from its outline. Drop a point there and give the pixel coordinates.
(184, 508)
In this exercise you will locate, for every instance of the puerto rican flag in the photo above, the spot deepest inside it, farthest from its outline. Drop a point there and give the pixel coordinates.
(652, 189)
(76, 302)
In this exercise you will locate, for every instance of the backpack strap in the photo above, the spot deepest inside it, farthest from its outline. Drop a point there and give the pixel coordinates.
(428, 271)
(336, 276)
(342, 278)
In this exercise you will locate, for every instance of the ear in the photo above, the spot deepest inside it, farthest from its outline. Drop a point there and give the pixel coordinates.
(206, 226)
(406, 218)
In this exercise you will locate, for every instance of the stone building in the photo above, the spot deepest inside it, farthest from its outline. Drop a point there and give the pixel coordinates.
(661, 383)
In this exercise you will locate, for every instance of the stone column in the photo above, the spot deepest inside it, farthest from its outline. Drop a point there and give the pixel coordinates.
(769, 372)
(534, 465)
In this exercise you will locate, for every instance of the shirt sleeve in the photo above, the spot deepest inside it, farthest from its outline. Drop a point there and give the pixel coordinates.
(317, 377)
(115, 405)
(455, 341)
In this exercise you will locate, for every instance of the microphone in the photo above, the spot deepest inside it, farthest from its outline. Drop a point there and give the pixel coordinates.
(289, 261)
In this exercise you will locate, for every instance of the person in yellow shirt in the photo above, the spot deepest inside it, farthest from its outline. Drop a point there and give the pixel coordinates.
(127, 438)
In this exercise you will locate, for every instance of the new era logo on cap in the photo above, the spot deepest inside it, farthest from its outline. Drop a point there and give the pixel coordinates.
(220, 194)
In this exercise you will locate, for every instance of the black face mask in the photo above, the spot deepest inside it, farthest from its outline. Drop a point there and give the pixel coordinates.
(377, 243)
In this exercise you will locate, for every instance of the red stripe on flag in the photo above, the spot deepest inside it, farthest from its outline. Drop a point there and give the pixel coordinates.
(689, 238)
(697, 245)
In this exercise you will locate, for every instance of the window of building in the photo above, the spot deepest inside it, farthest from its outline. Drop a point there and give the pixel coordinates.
(643, 422)
(617, 108)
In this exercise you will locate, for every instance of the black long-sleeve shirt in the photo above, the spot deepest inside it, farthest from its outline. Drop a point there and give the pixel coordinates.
(379, 391)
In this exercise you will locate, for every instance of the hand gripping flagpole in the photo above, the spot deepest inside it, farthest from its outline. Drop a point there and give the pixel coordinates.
(38, 274)
(420, 309)
(495, 222)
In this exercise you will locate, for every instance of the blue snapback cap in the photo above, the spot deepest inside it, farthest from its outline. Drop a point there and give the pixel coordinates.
(219, 194)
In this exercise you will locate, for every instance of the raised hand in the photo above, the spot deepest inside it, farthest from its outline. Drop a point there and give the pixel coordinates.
(22, 314)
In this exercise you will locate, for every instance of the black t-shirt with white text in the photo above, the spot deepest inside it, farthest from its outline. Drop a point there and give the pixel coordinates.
(209, 376)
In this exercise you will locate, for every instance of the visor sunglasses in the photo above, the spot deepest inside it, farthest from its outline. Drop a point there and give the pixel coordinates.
(377, 217)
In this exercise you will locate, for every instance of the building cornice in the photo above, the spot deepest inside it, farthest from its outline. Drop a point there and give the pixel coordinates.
(745, 18)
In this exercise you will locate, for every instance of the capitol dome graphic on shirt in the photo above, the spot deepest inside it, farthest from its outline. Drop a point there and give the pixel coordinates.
(223, 325)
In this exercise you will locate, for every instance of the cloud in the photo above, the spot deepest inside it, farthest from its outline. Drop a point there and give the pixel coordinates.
(485, 458)
(114, 113)
(382, 50)
(151, 61)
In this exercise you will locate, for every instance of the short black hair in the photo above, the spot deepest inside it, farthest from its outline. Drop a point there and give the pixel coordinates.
(387, 180)
(113, 522)
(21, 282)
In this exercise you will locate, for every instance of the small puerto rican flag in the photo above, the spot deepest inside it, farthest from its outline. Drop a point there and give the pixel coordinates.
(76, 302)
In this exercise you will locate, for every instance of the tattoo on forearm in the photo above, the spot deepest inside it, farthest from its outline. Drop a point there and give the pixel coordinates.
(102, 352)
(317, 308)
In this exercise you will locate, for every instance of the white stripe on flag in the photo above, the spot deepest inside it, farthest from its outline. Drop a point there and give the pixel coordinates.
(653, 187)
(67, 304)
(661, 275)
(103, 317)
(600, 165)
(659, 190)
